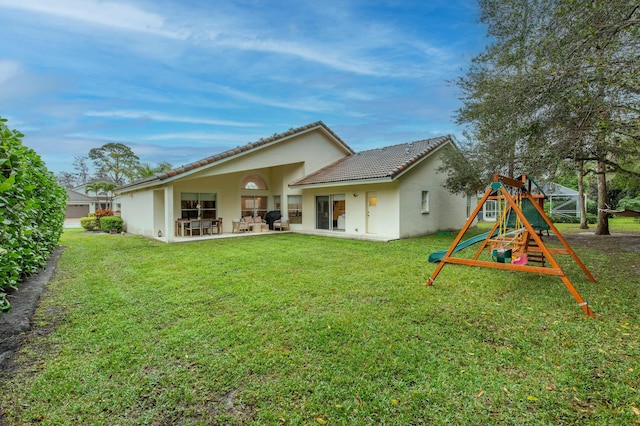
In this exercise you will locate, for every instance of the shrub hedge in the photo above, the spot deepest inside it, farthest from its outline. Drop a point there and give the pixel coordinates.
(111, 223)
(629, 203)
(89, 223)
(591, 219)
(32, 209)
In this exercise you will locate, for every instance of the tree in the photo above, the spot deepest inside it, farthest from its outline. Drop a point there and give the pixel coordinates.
(108, 189)
(98, 188)
(559, 83)
(116, 161)
(588, 64)
(81, 170)
(67, 180)
(495, 90)
(146, 170)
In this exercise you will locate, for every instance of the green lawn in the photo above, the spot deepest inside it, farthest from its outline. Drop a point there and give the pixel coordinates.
(293, 329)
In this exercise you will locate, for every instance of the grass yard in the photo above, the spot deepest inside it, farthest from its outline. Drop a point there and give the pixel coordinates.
(293, 329)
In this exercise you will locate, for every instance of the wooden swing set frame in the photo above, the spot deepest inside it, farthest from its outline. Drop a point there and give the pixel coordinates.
(521, 188)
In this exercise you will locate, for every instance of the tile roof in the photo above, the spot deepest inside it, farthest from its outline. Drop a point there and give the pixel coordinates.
(387, 162)
(75, 196)
(233, 152)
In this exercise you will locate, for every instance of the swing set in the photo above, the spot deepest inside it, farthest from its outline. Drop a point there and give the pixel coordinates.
(515, 241)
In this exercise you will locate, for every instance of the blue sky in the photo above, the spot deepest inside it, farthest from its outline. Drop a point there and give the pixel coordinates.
(178, 81)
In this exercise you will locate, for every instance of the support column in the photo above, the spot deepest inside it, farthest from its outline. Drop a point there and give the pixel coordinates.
(169, 218)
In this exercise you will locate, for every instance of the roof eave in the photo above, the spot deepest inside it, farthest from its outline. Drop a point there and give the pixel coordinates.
(351, 182)
(135, 186)
(233, 154)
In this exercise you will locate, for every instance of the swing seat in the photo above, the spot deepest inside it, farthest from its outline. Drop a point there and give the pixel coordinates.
(501, 255)
(520, 260)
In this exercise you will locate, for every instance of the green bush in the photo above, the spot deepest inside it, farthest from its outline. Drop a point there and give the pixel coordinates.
(89, 223)
(629, 203)
(109, 223)
(32, 209)
(591, 219)
(592, 207)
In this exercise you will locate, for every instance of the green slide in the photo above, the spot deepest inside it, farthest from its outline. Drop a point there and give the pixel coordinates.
(437, 256)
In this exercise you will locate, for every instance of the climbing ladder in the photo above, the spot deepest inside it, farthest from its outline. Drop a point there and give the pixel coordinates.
(518, 198)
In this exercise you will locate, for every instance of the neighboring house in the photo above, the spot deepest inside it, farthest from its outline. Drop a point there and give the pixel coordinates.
(102, 200)
(79, 205)
(562, 201)
(314, 179)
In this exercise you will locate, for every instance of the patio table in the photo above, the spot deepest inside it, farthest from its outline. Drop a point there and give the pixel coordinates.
(182, 224)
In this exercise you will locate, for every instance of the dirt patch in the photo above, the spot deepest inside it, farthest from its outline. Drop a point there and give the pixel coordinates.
(14, 323)
(628, 242)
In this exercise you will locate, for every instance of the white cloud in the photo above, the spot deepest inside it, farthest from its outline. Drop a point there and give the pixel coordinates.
(19, 85)
(108, 14)
(299, 104)
(329, 56)
(201, 136)
(80, 73)
(156, 116)
(359, 49)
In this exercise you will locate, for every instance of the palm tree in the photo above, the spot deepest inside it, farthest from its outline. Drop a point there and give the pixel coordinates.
(96, 188)
(146, 170)
(108, 189)
(105, 188)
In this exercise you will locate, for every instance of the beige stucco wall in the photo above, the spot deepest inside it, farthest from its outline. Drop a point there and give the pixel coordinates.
(137, 212)
(310, 151)
(150, 210)
(399, 205)
(356, 210)
(228, 190)
(446, 210)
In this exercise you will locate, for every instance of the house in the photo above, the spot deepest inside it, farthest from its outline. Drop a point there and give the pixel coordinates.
(562, 201)
(314, 179)
(103, 199)
(79, 205)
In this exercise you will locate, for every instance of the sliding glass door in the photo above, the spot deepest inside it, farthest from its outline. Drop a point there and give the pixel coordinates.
(331, 212)
(322, 212)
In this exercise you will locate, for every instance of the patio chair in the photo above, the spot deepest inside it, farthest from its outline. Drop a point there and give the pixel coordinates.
(281, 224)
(240, 225)
(207, 227)
(217, 225)
(194, 225)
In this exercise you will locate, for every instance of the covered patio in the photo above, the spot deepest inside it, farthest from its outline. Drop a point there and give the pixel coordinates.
(185, 239)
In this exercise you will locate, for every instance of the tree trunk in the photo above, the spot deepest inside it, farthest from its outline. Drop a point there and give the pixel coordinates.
(581, 202)
(603, 218)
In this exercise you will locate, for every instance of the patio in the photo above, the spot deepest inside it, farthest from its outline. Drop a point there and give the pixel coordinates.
(184, 239)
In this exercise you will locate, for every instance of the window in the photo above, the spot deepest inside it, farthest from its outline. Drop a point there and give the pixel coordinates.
(294, 208)
(253, 182)
(195, 205)
(254, 205)
(425, 201)
(277, 203)
(490, 210)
